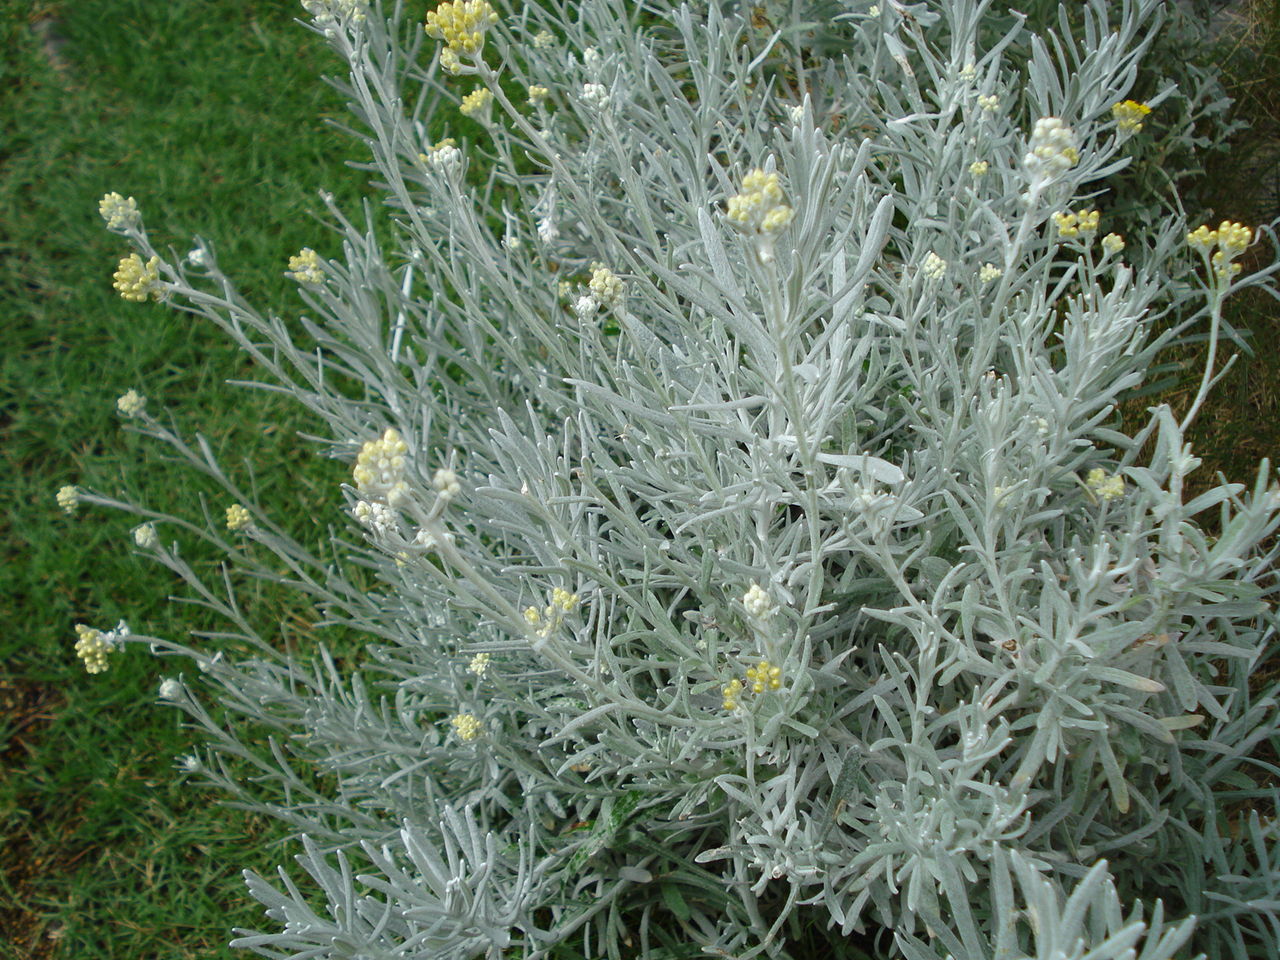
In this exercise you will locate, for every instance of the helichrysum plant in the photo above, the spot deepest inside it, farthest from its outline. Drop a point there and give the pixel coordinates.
(761, 567)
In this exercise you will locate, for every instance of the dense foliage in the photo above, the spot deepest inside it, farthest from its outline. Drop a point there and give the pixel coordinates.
(759, 556)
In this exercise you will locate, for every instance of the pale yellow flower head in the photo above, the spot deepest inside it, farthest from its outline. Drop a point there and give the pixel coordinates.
(1223, 267)
(92, 648)
(933, 267)
(759, 207)
(380, 466)
(1066, 224)
(119, 212)
(131, 403)
(461, 24)
(476, 104)
(449, 60)
(563, 599)
(605, 285)
(327, 12)
(1108, 488)
(68, 499)
(1113, 243)
(1129, 115)
(1234, 238)
(1074, 224)
(552, 615)
(306, 268)
(731, 691)
(238, 518)
(1202, 239)
(764, 675)
(137, 280)
(1231, 239)
(466, 725)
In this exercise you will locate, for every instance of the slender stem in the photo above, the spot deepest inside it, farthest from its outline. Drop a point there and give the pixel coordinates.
(1215, 317)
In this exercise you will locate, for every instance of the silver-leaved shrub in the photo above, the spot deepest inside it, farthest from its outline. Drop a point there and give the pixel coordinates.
(762, 566)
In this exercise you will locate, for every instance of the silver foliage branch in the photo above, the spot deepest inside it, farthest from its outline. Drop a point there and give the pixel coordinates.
(761, 559)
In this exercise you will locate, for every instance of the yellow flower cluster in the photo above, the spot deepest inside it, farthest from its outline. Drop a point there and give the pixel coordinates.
(380, 465)
(1231, 239)
(979, 168)
(466, 725)
(605, 285)
(764, 675)
(537, 94)
(137, 280)
(1129, 115)
(1073, 224)
(989, 272)
(120, 214)
(449, 60)
(475, 103)
(1234, 238)
(92, 648)
(1108, 488)
(759, 208)
(328, 11)
(479, 664)
(306, 267)
(238, 518)
(550, 616)
(933, 267)
(731, 691)
(1202, 239)
(131, 403)
(461, 25)
(1113, 243)
(68, 499)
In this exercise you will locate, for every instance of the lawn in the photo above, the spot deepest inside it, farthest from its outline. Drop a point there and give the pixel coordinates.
(211, 115)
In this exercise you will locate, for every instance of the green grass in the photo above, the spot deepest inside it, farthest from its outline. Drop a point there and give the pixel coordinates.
(211, 115)
(1240, 421)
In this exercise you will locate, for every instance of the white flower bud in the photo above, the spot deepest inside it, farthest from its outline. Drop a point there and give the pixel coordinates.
(757, 602)
(446, 483)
